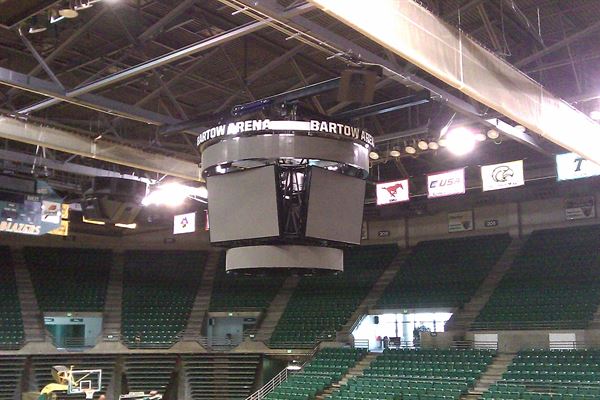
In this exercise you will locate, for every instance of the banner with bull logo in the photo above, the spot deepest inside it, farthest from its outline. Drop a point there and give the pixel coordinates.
(502, 176)
(392, 192)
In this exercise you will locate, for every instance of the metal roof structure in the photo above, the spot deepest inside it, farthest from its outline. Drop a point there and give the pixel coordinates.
(148, 75)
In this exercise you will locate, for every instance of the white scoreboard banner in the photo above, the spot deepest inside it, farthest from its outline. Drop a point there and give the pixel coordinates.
(446, 183)
(392, 192)
(184, 223)
(573, 166)
(502, 176)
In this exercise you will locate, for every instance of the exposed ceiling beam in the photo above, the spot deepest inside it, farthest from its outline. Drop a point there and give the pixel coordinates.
(159, 25)
(173, 56)
(559, 45)
(359, 55)
(68, 142)
(68, 167)
(95, 102)
(413, 33)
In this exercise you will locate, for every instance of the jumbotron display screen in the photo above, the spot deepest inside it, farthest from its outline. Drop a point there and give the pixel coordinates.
(243, 205)
(335, 206)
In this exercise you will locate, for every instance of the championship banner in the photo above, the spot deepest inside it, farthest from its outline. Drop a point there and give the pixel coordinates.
(460, 221)
(502, 176)
(184, 223)
(446, 183)
(573, 166)
(392, 192)
(37, 214)
(580, 208)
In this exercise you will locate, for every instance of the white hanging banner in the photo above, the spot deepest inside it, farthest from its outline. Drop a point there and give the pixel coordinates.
(573, 166)
(446, 183)
(184, 223)
(502, 176)
(392, 192)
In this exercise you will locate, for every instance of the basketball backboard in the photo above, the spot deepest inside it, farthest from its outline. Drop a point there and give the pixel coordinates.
(85, 382)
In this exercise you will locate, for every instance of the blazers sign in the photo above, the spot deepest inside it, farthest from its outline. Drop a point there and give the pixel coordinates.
(392, 192)
(502, 176)
(573, 166)
(446, 183)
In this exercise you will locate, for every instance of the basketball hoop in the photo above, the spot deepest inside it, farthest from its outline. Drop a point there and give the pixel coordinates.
(89, 393)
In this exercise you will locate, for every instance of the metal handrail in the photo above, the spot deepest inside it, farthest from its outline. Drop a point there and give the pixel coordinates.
(521, 325)
(270, 386)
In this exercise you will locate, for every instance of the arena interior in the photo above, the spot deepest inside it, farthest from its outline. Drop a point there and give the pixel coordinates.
(294, 200)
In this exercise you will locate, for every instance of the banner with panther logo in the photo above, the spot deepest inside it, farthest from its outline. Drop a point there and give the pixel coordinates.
(502, 176)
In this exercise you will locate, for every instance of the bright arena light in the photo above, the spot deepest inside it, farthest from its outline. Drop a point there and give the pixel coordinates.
(174, 194)
(595, 115)
(460, 141)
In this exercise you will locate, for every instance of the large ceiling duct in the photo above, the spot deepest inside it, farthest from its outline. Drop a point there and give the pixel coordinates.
(423, 39)
(68, 142)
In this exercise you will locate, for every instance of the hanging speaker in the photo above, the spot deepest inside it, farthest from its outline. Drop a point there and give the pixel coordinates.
(357, 86)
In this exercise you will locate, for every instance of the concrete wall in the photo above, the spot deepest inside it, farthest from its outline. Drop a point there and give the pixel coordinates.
(515, 218)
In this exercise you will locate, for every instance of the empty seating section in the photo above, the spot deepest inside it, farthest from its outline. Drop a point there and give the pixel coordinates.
(443, 273)
(239, 291)
(11, 370)
(221, 376)
(321, 304)
(159, 288)
(417, 374)
(69, 279)
(11, 323)
(42, 371)
(152, 372)
(553, 283)
(550, 374)
(326, 368)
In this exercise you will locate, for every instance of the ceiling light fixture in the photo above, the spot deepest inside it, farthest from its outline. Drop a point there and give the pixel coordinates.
(595, 115)
(410, 149)
(493, 134)
(442, 142)
(69, 11)
(374, 155)
(480, 137)
(82, 5)
(422, 145)
(36, 26)
(460, 141)
(433, 146)
(127, 226)
(395, 152)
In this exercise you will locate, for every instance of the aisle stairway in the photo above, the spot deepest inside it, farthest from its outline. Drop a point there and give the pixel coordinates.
(149, 372)
(33, 321)
(11, 371)
(220, 376)
(376, 292)
(462, 319)
(354, 372)
(202, 301)
(114, 298)
(276, 308)
(492, 375)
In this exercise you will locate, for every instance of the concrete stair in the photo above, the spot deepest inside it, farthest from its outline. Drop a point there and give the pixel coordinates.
(491, 375)
(33, 319)
(111, 323)
(371, 299)
(462, 319)
(356, 370)
(276, 308)
(202, 302)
